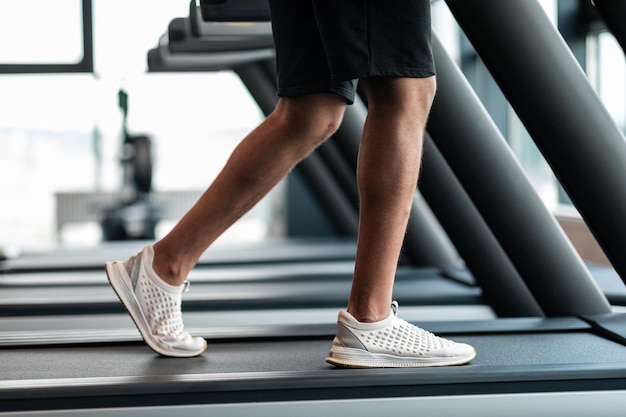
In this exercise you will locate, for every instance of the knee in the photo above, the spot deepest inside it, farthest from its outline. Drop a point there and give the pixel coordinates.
(402, 96)
(314, 117)
(329, 123)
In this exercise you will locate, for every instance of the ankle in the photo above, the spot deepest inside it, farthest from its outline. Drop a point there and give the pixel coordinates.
(167, 269)
(368, 316)
(168, 276)
(368, 310)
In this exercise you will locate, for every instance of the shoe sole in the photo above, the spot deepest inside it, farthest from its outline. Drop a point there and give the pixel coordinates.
(358, 358)
(120, 282)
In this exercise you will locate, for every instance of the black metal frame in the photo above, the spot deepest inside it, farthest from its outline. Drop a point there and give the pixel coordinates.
(492, 177)
(560, 110)
(490, 266)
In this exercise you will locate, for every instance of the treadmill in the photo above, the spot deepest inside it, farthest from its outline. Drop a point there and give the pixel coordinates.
(569, 358)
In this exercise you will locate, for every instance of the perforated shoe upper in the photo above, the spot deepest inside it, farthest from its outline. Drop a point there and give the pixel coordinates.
(160, 304)
(396, 337)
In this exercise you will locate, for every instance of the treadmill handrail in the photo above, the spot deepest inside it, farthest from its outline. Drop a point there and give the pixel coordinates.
(235, 10)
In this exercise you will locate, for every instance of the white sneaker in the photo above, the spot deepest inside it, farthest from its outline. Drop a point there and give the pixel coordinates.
(154, 305)
(392, 343)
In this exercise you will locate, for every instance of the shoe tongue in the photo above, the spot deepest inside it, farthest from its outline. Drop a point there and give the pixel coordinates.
(394, 308)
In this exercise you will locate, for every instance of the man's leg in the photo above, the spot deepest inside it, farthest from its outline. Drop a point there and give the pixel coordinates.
(388, 168)
(260, 161)
(150, 284)
(370, 334)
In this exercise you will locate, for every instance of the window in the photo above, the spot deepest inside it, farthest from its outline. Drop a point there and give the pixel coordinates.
(60, 129)
(41, 36)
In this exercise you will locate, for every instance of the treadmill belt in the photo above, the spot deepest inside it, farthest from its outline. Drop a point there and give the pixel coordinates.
(244, 359)
(548, 359)
(301, 285)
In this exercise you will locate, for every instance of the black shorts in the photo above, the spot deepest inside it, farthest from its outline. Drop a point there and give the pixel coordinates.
(325, 46)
